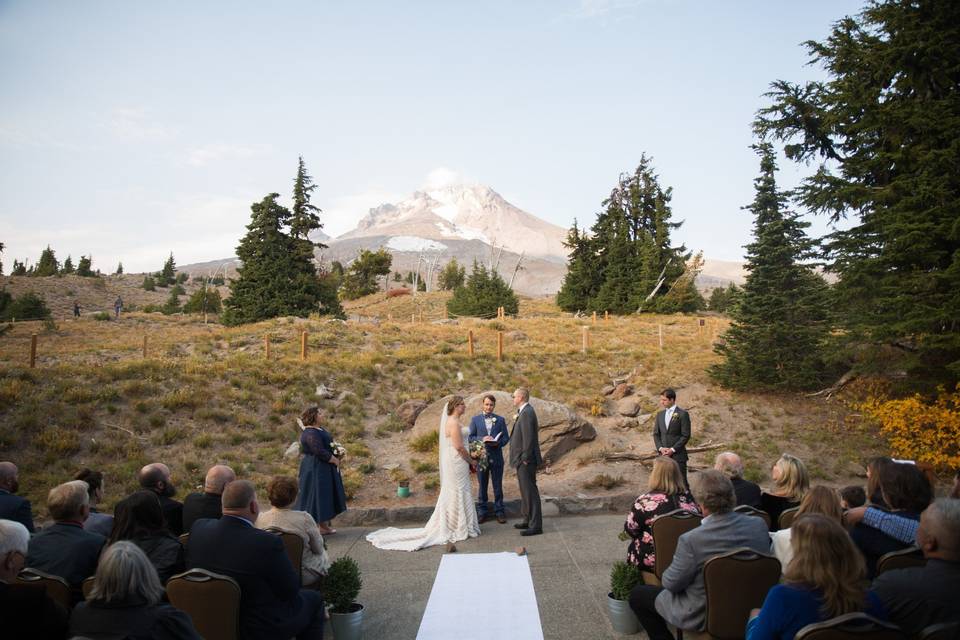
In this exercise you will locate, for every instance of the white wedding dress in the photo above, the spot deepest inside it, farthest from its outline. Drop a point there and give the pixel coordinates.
(455, 516)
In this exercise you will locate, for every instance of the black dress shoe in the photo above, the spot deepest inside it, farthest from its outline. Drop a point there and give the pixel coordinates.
(482, 519)
(521, 525)
(531, 532)
(501, 519)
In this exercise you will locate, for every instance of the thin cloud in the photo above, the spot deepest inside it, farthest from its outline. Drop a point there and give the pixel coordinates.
(214, 153)
(135, 125)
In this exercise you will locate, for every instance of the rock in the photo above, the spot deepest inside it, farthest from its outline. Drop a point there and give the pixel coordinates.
(561, 429)
(607, 389)
(629, 406)
(324, 392)
(622, 422)
(344, 395)
(292, 452)
(644, 417)
(516, 335)
(622, 390)
(409, 411)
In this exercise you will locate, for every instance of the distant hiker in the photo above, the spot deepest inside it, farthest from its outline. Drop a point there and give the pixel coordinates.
(76, 309)
(117, 307)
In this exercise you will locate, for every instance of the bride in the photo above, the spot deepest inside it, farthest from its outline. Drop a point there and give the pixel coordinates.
(455, 516)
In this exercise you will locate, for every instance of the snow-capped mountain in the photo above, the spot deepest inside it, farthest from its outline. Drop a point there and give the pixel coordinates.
(462, 212)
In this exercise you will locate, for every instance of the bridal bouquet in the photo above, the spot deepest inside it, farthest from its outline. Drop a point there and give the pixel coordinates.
(479, 453)
(338, 449)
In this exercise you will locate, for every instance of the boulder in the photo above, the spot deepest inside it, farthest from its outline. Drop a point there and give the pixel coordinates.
(323, 391)
(629, 406)
(409, 411)
(292, 452)
(607, 389)
(561, 429)
(622, 390)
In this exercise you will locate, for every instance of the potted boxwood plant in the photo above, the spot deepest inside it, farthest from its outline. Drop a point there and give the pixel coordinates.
(623, 577)
(341, 588)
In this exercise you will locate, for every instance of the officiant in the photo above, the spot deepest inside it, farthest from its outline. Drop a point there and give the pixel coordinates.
(490, 429)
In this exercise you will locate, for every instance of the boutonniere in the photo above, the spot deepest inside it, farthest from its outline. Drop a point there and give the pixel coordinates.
(675, 416)
(515, 416)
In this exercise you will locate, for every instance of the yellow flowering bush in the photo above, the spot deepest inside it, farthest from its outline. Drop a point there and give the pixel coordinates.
(928, 432)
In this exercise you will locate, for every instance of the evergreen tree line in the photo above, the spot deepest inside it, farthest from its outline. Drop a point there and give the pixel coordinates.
(48, 265)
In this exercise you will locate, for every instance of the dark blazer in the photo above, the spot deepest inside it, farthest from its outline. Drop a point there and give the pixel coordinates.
(138, 621)
(683, 601)
(28, 612)
(164, 552)
(478, 431)
(13, 507)
(173, 514)
(525, 438)
(747, 492)
(201, 505)
(64, 549)
(674, 435)
(271, 605)
(921, 596)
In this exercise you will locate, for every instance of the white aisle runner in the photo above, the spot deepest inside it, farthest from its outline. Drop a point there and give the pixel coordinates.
(482, 596)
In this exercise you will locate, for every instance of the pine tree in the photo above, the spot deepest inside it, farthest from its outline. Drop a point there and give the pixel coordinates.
(149, 284)
(779, 330)
(361, 278)
(582, 280)
(722, 299)
(204, 300)
(167, 275)
(119, 271)
(304, 216)
(47, 265)
(67, 267)
(172, 305)
(481, 295)
(884, 127)
(18, 269)
(1, 264)
(451, 276)
(85, 267)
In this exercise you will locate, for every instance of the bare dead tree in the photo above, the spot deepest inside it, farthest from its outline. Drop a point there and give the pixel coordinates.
(517, 268)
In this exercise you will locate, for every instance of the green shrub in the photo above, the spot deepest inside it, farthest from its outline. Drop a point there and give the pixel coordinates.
(425, 443)
(623, 578)
(149, 284)
(27, 306)
(101, 316)
(342, 585)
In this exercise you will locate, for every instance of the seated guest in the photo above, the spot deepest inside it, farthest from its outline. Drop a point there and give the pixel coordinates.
(283, 491)
(64, 549)
(682, 600)
(907, 492)
(852, 496)
(272, 604)
(665, 493)
(97, 522)
(790, 483)
(874, 468)
(156, 477)
(12, 506)
(820, 499)
(25, 611)
(921, 596)
(207, 504)
(139, 520)
(126, 601)
(825, 579)
(729, 464)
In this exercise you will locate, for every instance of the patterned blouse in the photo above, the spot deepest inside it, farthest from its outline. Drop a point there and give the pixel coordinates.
(638, 525)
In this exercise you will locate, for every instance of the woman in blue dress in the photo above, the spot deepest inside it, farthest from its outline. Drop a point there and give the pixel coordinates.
(321, 487)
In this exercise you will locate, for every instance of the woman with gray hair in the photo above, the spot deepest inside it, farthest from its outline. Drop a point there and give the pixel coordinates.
(126, 601)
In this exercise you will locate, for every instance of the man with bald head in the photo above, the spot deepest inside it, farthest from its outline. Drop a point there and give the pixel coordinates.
(207, 504)
(156, 477)
(12, 506)
(729, 464)
(272, 605)
(921, 596)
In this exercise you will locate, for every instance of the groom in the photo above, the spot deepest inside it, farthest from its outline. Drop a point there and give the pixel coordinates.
(490, 429)
(525, 458)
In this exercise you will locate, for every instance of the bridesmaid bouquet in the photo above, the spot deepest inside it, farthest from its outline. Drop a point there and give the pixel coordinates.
(478, 452)
(338, 449)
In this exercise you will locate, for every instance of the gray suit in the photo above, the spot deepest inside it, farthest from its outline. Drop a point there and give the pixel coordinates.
(674, 435)
(525, 458)
(683, 601)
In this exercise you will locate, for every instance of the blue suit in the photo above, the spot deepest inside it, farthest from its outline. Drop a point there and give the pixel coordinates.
(478, 431)
(16, 508)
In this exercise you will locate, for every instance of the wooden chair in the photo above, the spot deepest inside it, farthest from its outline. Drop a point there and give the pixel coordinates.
(86, 587)
(667, 529)
(292, 544)
(901, 559)
(941, 631)
(56, 587)
(212, 601)
(736, 582)
(753, 511)
(787, 517)
(851, 626)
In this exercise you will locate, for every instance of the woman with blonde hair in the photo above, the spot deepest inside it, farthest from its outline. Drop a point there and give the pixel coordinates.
(819, 499)
(825, 579)
(666, 492)
(790, 484)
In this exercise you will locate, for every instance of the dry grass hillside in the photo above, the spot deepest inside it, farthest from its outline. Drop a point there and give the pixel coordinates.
(207, 393)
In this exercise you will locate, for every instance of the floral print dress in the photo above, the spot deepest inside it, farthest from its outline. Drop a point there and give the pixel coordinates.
(638, 526)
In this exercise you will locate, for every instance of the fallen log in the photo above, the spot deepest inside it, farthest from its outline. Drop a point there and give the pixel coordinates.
(839, 384)
(623, 455)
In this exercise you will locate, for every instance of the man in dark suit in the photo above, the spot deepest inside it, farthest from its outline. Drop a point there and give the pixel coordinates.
(64, 548)
(12, 506)
(525, 458)
(921, 596)
(682, 600)
(207, 504)
(490, 429)
(729, 464)
(272, 605)
(156, 477)
(671, 431)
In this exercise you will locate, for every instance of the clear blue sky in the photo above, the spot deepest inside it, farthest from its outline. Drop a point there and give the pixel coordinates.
(131, 129)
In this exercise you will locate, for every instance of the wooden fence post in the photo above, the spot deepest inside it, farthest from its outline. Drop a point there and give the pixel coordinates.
(33, 350)
(266, 346)
(499, 345)
(470, 343)
(660, 329)
(585, 339)
(594, 318)
(144, 346)
(303, 345)
(606, 316)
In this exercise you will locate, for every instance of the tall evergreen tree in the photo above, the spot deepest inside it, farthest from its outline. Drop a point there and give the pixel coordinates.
(18, 269)
(884, 127)
(47, 265)
(582, 279)
(482, 293)
(167, 275)
(780, 327)
(119, 271)
(67, 267)
(85, 267)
